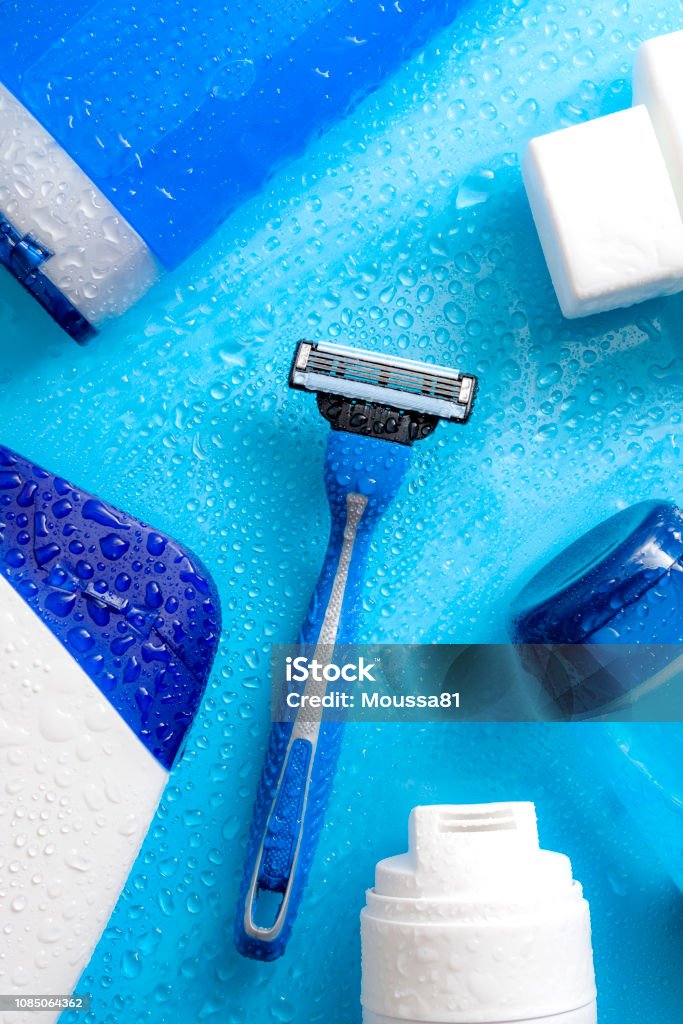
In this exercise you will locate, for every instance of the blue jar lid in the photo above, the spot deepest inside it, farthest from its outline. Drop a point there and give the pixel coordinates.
(592, 580)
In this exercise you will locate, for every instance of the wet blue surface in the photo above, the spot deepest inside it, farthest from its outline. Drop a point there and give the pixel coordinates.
(405, 228)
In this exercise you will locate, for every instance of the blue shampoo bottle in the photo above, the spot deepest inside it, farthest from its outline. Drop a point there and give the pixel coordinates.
(621, 583)
(128, 132)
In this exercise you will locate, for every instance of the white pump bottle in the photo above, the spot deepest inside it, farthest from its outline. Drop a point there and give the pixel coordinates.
(476, 925)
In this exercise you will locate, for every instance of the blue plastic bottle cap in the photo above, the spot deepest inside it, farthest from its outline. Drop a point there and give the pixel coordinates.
(603, 577)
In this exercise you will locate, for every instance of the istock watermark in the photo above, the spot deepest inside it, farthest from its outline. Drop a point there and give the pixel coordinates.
(477, 683)
(303, 669)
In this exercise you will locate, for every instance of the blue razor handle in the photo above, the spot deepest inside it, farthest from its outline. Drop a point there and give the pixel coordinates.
(362, 477)
(622, 582)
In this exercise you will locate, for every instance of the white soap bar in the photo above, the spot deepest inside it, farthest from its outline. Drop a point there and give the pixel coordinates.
(606, 213)
(658, 83)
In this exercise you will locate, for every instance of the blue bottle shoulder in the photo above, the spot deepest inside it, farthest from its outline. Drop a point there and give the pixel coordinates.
(134, 608)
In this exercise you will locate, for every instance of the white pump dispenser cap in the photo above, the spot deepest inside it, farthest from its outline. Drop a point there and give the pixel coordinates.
(476, 925)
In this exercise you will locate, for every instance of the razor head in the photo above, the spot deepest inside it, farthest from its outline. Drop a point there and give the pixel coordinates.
(381, 396)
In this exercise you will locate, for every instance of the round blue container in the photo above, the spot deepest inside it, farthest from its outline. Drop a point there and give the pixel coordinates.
(621, 583)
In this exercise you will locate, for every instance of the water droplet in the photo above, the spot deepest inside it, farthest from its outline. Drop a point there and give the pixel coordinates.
(550, 375)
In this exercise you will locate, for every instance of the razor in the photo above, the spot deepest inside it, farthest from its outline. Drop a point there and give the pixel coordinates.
(377, 406)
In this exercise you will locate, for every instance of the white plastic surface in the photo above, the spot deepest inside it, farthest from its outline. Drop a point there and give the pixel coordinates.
(658, 83)
(586, 1015)
(476, 925)
(100, 263)
(606, 213)
(77, 793)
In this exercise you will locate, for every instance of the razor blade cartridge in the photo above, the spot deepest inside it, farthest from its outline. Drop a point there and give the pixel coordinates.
(378, 395)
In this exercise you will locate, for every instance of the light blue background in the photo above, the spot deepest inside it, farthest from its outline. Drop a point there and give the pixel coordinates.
(405, 228)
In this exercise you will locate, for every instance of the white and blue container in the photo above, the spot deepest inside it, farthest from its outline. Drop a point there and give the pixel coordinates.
(108, 630)
(128, 131)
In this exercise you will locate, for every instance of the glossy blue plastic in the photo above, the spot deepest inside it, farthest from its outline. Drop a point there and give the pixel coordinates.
(23, 256)
(178, 111)
(136, 610)
(353, 465)
(623, 583)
